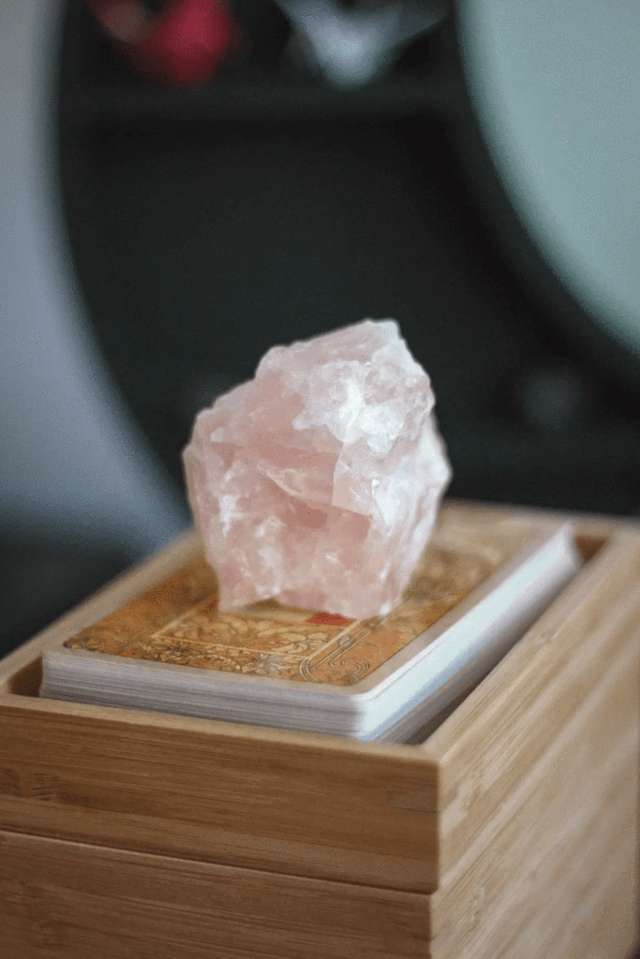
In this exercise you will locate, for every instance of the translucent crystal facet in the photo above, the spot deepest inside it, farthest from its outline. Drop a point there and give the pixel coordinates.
(318, 482)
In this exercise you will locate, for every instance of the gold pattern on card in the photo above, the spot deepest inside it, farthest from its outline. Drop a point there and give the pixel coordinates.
(178, 621)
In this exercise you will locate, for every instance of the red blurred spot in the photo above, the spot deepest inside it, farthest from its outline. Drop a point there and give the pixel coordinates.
(186, 43)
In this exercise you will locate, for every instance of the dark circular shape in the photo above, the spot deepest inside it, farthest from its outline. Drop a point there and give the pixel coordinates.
(207, 224)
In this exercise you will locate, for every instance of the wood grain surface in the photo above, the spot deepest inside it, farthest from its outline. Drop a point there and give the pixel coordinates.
(573, 803)
(61, 900)
(511, 833)
(569, 894)
(183, 787)
(492, 742)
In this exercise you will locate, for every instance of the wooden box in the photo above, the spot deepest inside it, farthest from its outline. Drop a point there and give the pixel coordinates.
(511, 832)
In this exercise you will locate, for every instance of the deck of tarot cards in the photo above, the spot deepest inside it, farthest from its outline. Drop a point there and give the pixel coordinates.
(478, 587)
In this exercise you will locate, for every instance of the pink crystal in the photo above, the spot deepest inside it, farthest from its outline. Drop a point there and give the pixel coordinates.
(318, 482)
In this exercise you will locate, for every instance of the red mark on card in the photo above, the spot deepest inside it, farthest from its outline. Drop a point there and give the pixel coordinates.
(328, 619)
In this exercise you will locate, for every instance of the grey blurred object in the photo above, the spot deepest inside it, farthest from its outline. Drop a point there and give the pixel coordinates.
(555, 397)
(555, 90)
(73, 467)
(353, 45)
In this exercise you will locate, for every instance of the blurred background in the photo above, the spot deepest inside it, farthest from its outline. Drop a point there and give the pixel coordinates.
(187, 182)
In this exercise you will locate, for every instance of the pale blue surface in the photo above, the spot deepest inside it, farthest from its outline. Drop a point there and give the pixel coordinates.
(557, 88)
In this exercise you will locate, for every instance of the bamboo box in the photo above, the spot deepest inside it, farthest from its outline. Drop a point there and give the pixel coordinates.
(512, 830)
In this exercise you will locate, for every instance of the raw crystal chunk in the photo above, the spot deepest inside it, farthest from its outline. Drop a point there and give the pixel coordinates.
(318, 482)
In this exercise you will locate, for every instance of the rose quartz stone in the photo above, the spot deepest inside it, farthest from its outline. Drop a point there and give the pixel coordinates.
(318, 482)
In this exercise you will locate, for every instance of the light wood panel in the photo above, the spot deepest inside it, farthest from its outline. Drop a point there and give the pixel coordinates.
(550, 915)
(61, 900)
(560, 928)
(592, 526)
(184, 788)
(608, 925)
(586, 773)
(490, 744)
